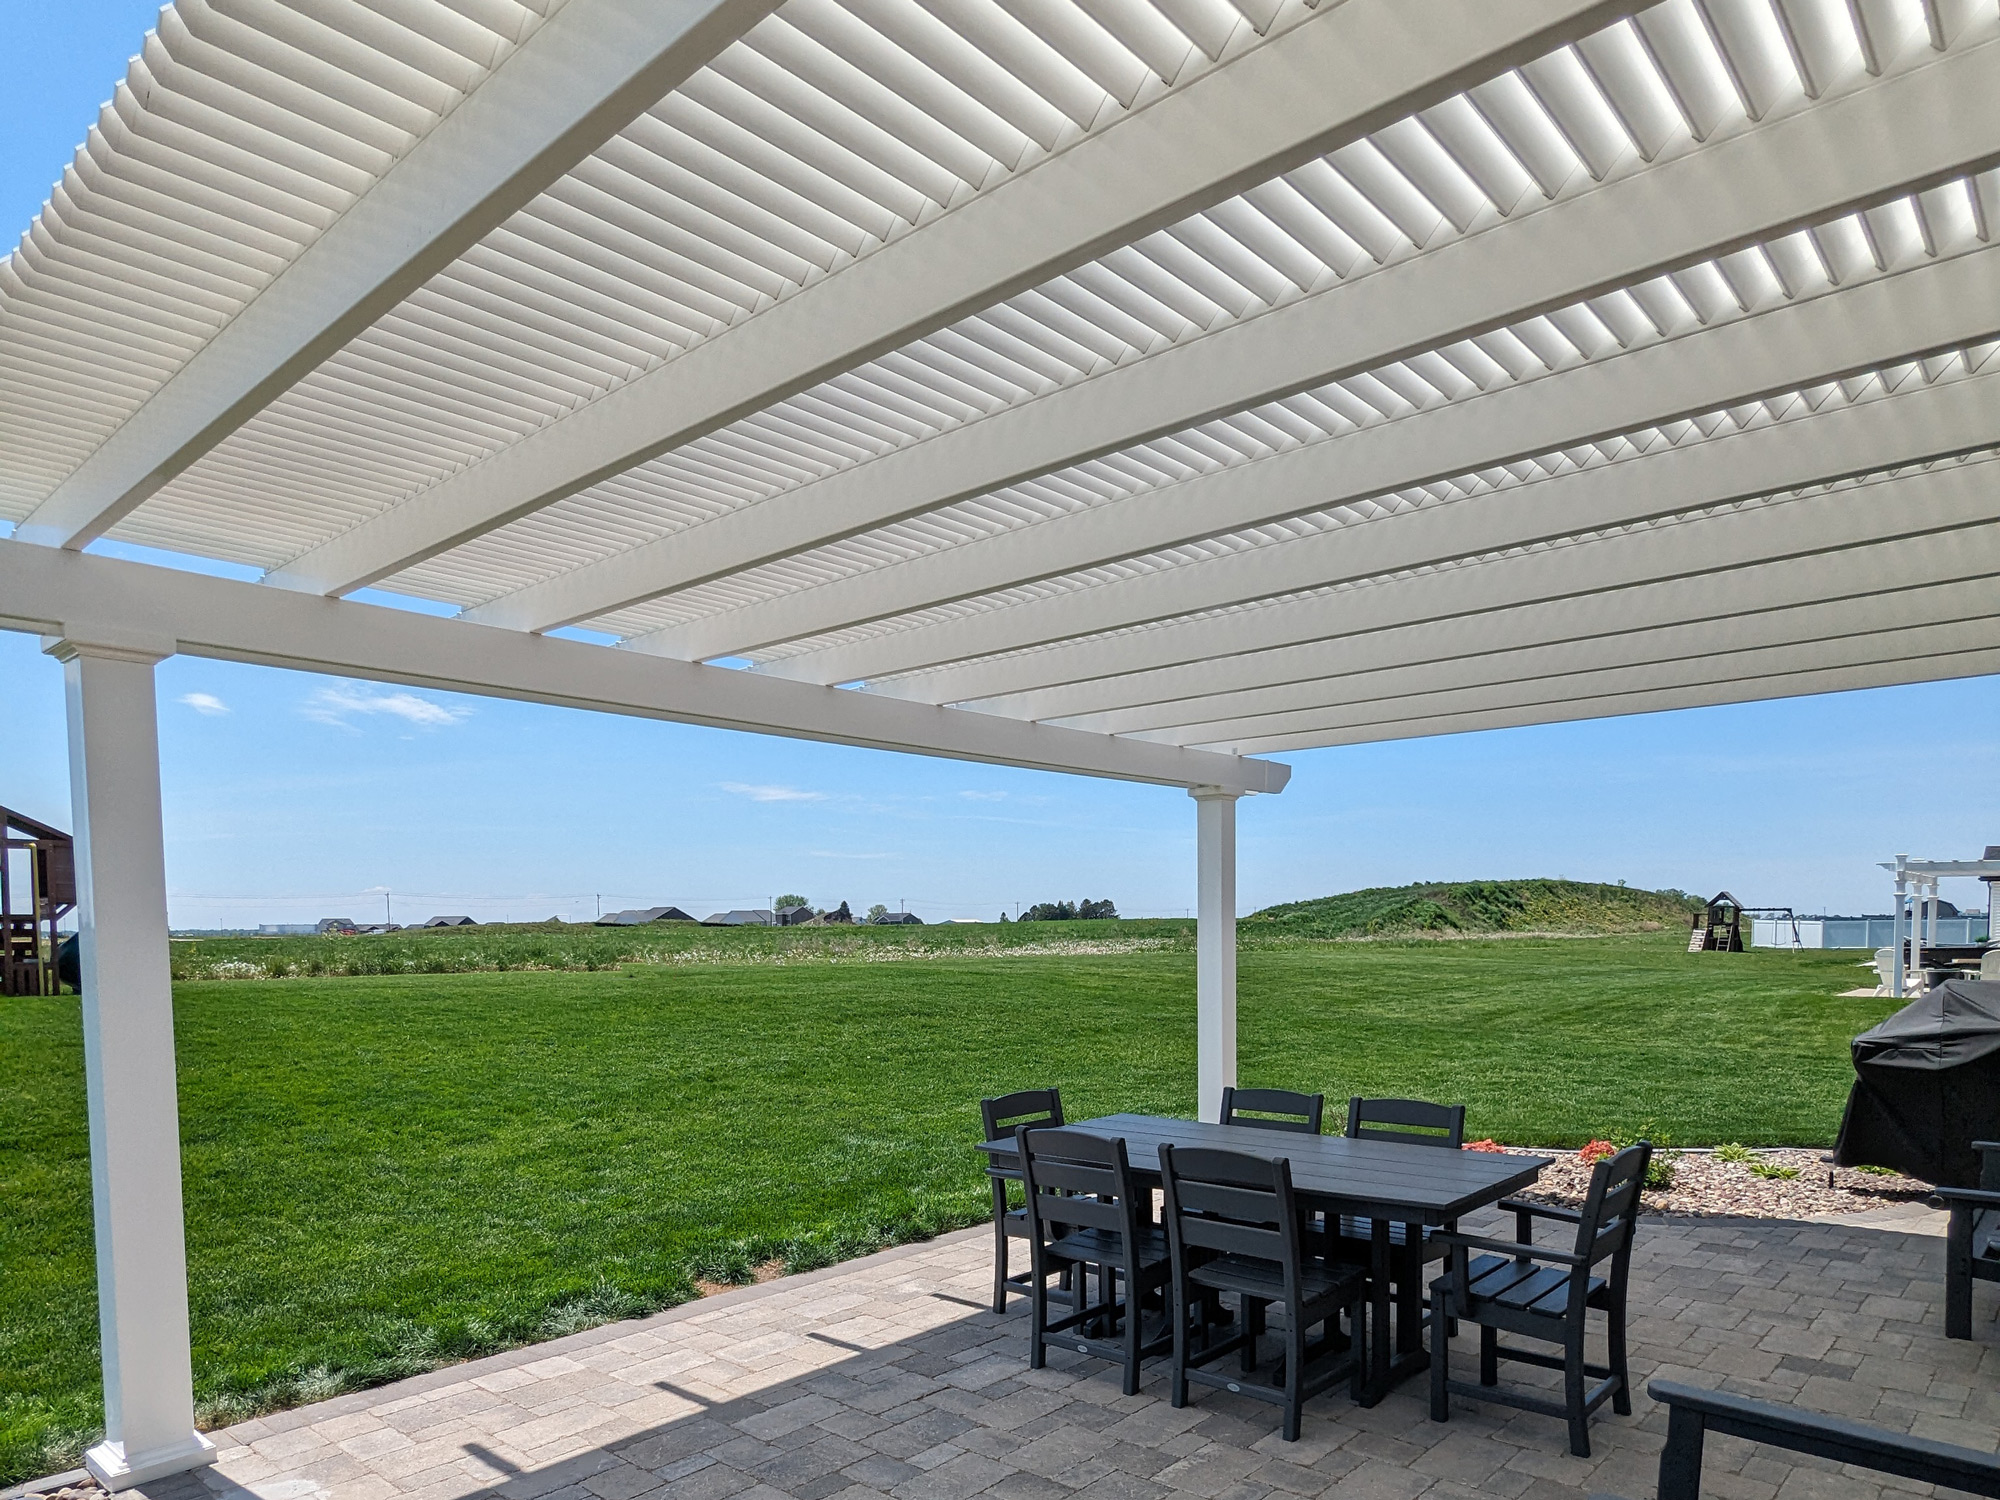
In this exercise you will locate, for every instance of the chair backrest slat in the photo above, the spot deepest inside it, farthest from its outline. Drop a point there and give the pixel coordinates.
(1233, 1203)
(1610, 1213)
(1302, 1113)
(1076, 1178)
(1414, 1122)
(1000, 1117)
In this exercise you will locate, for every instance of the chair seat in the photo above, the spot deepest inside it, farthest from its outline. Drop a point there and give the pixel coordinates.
(1265, 1279)
(1098, 1247)
(1525, 1286)
(1015, 1222)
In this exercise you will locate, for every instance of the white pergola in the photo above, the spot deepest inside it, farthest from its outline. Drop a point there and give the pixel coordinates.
(1916, 911)
(1124, 387)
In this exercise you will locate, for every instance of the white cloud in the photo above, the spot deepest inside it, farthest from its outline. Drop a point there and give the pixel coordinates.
(984, 796)
(205, 703)
(338, 704)
(771, 793)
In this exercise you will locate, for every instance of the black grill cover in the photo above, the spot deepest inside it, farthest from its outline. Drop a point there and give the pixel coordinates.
(1927, 1085)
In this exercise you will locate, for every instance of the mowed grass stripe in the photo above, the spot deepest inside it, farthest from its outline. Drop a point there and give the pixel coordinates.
(385, 1173)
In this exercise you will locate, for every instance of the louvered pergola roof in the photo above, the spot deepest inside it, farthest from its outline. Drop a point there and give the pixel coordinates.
(1119, 385)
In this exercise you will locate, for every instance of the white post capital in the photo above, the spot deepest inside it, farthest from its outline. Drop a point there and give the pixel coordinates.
(1215, 945)
(128, 1054)
(143, 648)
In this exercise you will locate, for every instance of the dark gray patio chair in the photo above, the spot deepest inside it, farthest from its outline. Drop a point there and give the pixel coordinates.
(1693, 1413)
(1972, 1240)
(1084, 1211)
(1545, 1294)
(1409, 1122)
(1274, 1109)
(999, 1119)
(1233, 1226)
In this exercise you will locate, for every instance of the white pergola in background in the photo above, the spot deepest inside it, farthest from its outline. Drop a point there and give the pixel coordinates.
(1125, 387)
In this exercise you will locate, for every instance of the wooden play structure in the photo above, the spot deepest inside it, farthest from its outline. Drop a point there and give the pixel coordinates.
(37, 889)
(1719, 928)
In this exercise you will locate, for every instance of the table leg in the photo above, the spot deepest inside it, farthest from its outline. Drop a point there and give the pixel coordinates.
(1378, 1313)
(1410, 1293)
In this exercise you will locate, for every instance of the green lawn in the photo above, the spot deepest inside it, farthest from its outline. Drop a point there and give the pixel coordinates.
(387, 1172)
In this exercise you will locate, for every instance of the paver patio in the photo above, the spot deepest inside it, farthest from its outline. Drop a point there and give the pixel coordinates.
(889, 1376)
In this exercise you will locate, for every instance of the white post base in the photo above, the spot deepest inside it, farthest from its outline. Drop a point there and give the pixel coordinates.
(116, 1471)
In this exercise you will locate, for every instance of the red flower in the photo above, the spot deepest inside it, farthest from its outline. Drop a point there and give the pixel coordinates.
(1596, 1151)
(1486, 1145)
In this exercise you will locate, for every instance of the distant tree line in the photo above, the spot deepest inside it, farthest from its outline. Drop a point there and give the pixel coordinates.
(1064, 911)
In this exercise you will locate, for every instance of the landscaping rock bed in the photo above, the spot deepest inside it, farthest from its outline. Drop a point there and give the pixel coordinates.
(1707, 1185)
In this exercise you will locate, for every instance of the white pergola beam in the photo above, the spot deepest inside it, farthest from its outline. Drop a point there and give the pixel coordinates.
(76, 595)
(1771, 553)
(575, 83)
(1743, 638)
(1799, 170)
(1793, 346)
(1951, 573)
(1891, 664)
(1349, 70)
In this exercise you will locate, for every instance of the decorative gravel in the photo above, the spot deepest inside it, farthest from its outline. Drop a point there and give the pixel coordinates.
(1705, 1186)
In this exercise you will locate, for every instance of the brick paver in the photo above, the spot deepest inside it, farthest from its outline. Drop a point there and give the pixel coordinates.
(890, 1377)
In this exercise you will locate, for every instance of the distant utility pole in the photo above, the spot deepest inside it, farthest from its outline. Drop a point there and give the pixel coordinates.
(600, 903)
(386, 918)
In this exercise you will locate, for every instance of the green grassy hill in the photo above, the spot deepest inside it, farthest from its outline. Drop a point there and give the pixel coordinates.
(1477, 906)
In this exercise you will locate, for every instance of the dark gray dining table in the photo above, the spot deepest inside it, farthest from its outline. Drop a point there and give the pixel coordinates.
(1385, 1182)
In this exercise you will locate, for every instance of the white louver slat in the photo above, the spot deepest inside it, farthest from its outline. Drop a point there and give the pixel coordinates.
(1311, 78)
(411, 100)
(1212, 280)
(1069, 360)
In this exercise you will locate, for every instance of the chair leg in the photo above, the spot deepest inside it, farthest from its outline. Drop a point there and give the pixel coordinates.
(1357, 1342)
(1179, 1310)
(1958, 1273)
(1489, 1356)
(1135, 1324)
(1440, 1368)
(1579, 1419)
(999, 1246)
(1253, 1329)
(1295, 1371)
(1621, 1395)
(1038, 1316)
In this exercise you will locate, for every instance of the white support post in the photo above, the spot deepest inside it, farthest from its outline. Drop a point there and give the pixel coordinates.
(1920, 904)
(1215, 945)
(1900, 930)
(128, 1049)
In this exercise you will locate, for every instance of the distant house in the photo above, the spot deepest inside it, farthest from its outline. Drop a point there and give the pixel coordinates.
(899, 919)
(795, 916)
(380, 927)
(741, 919)
(449, 922)
(336, 924)
(642, 915)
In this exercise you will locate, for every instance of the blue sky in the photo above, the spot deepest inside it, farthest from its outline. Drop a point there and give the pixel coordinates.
(290, 797)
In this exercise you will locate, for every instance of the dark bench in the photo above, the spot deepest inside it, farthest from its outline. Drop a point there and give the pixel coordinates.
(1972, 1240)
(1693, 1413)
